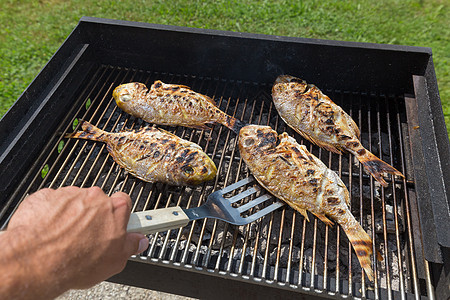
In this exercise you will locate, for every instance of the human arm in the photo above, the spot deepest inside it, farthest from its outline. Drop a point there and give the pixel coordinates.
(65, 238)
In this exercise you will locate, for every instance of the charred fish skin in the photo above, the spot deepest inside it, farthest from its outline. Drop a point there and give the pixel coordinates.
(291, 173)
(171, 104)
(153, 155)
(316, 117)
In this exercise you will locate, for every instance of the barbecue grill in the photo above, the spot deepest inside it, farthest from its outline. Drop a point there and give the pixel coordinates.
(390, 91)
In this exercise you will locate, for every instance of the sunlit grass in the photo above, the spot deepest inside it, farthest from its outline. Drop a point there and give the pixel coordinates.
(31, 31)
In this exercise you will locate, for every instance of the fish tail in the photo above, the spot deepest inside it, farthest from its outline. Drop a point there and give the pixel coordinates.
(233, 124)
(375, 166)
(362, 244)
(88, 132)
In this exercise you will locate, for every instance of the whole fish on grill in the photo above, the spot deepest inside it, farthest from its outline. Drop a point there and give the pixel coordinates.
(292, 174)
(313, 115)
(153, 155)
(171, 104)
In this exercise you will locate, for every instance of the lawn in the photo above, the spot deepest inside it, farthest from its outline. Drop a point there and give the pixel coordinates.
(31, 31)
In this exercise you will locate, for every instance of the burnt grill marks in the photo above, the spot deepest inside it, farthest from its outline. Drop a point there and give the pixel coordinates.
(122, 140)
(333, 200)
(361, 151)
(313, 181)
(144, 157)
(361, 252)
(298, 94)
(295, 150)
(344, 137)
(266, 138)
(362, 243)
(352, 144)
(330, 129)
(191, 157)
(285, 160)
(310, 172)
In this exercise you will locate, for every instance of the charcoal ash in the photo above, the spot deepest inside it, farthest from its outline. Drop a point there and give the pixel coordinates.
(284, 257)
(389, 220)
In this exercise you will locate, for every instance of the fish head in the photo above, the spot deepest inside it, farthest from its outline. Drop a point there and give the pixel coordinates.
(195, 167)
(256, 138)
(285, 83)
(127, 94)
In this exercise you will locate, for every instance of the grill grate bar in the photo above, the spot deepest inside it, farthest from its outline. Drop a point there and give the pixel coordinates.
(361, 203)
(350, 181)
(383, 209)
(396, 209)
(410, 240)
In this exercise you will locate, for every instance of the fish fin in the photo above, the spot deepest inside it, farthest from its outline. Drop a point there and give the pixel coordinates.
(88, 132)
(328, 147)
(183, 86)
(165, 131)
(362, 244)
(303, 212)
(117, 159)
(209, 99)
(352, 125)
(201, 127)
(232, 123)
(295, 206)
(319, 143)
(158, 84)
(324, 219)
(375, 166)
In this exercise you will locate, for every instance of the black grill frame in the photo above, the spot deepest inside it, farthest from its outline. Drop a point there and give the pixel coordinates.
(35, 120)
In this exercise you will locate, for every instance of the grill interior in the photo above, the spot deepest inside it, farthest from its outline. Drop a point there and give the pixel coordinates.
(282, 247)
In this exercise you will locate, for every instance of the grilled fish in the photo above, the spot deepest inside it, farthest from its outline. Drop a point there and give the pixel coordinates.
(153, 155)
(292, 174)
(313, 115)
(171, 104)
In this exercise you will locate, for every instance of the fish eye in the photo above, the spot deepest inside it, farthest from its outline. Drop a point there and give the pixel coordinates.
(188, 170)
(125, 97)
(249, 142)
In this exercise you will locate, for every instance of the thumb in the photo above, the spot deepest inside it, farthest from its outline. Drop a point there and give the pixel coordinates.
(135, 243)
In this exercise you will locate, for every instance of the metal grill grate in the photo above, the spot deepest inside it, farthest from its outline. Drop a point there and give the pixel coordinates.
(282, 247)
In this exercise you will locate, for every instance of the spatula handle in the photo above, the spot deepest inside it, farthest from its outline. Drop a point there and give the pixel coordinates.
(151, 221)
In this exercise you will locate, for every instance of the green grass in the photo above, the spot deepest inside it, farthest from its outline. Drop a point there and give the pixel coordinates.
(31, 31)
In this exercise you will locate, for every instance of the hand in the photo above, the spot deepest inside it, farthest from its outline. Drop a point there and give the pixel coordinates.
(71, 238)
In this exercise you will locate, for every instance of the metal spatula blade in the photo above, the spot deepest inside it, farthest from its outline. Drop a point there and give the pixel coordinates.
(217, 206)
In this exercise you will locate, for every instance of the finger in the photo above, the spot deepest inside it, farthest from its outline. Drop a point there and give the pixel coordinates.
(121, 205)
(121, 199)
(135, 243)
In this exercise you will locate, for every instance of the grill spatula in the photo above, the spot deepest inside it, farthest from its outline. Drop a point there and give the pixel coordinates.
(216, 206)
